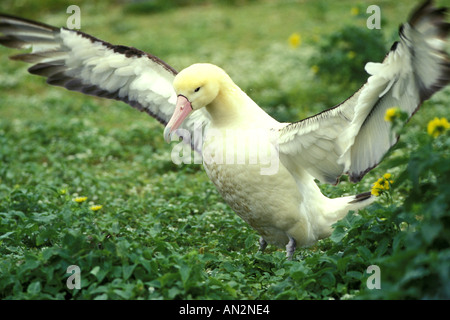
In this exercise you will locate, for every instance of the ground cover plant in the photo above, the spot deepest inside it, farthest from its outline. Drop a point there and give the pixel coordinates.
(90, 182)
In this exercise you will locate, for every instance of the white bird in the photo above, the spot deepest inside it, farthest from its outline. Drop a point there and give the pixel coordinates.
(265, 170)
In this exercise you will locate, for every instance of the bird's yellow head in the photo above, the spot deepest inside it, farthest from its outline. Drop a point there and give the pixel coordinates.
(196, 87)
(200, 83)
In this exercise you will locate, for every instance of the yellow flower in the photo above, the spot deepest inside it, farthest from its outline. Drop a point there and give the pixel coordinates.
(382, 184)
(376, 189)
(80, 199)
(315, 69)
(391, 114)
(96, 207)
(354, 11)
(295, 40)
(437, 127)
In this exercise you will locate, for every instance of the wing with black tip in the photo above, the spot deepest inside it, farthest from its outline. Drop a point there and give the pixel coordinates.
(353, 137)
(80, 62)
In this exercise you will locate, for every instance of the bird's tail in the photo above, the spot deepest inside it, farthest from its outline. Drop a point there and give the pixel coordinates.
(361, 197)
(338, 208)
(355, 203)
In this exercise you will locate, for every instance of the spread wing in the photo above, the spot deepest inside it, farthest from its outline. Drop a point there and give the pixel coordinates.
(353, 137)
(80, 62)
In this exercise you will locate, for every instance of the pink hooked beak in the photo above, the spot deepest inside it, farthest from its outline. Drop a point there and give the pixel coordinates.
(182, 110)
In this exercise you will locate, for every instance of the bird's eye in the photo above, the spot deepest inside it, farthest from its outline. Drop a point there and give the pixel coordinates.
(197, 90)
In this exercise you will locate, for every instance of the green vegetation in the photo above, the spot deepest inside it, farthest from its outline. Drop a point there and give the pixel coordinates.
(163, 232)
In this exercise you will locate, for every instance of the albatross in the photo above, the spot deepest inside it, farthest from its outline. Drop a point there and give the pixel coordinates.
(266, 171)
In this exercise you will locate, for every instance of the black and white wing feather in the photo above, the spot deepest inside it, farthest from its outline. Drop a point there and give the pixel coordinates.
(353, 137)
(80, 62)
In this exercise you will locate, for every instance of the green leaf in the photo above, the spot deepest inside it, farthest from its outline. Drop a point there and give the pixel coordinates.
(6, 235)
(34, 288)
(364, 252)
(355, 274)
(128, 271)
(47, 253)
(338, 234)
(173, 292)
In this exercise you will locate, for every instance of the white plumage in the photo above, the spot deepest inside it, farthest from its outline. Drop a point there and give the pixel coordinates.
(265, 170)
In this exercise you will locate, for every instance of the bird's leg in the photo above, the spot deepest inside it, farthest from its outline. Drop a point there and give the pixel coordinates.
(262, 244)
(290, 248)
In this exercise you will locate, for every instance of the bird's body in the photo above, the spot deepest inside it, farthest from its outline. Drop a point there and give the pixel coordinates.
(240, 157)
(265, 170)
(278, 206)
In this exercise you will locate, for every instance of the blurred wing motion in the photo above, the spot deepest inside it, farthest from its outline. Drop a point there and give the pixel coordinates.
(352, 137)
(80, 62)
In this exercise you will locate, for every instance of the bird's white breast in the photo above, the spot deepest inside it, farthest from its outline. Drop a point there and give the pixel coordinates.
(268, 202)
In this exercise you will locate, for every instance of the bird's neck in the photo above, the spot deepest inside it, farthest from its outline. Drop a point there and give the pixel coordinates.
(232, 108)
